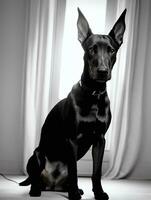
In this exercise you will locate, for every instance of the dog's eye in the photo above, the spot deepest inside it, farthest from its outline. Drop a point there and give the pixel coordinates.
(93, 50)
(110, 50)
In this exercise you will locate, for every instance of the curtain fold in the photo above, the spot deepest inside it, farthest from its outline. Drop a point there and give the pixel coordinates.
(43, 55)
(127, 92)
(42, 59)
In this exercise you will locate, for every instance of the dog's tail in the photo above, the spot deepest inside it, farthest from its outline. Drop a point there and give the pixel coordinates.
(26, 182)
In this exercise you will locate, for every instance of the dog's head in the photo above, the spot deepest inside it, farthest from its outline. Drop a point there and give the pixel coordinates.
(100, 50)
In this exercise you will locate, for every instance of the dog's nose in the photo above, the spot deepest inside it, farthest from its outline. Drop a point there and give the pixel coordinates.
(102, 70)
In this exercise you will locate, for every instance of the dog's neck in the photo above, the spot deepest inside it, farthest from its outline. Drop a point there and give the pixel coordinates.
(92, 87)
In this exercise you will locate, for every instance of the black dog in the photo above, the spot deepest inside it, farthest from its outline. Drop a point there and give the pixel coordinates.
(80, 120)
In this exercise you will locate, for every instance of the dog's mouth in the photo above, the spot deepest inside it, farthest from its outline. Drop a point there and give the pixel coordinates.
(103, 77)
(101, 81)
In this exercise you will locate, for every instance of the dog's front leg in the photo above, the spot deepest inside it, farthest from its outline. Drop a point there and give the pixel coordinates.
(97, 155)
(74, 193)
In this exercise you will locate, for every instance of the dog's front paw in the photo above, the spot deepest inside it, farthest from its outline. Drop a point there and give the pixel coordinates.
(35, 191)
(101, 196)
(75, 195)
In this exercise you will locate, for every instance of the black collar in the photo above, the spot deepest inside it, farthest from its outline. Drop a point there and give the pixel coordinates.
(96, 93)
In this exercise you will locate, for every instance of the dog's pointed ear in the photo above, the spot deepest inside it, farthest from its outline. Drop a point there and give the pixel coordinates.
(118, 29)
(84, 30)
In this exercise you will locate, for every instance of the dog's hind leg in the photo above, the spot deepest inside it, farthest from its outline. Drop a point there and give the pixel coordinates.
(35, 166)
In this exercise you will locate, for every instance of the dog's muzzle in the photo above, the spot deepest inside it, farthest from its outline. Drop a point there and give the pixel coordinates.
(103, 75)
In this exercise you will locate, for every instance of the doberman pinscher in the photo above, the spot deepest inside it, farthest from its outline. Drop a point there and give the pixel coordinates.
(80, 120)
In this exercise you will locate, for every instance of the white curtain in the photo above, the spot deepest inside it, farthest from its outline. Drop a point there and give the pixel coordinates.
(128, 93)
(130, 135)
(43, 52)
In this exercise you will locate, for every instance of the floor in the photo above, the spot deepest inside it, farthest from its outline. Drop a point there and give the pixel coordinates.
(117, 190)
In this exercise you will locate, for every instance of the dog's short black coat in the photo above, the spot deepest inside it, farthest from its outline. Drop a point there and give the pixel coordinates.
(80, 120)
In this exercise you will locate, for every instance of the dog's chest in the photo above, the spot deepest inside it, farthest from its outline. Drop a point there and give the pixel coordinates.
(89, 112)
